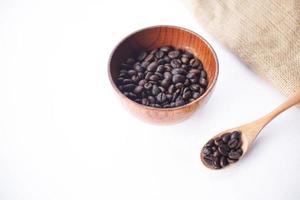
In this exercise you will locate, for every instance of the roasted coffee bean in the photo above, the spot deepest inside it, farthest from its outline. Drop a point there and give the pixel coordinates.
(128, 87)
(151, 99)
(194, 62)
(185, 59)
(233, 143)
(161, 97)
(196, 95)
(155, 90)
(145, 101)
(127, 81)
(175, 63)
(152, 67)
(222, 150)
(142, 82)
(174, 54)
(149, 58)
(223, 161)
(178, 78)
(138, 89)
(164, 77)
(187, 95)
(165, 83)
(235, 155)
(188, 54)
(154, 78)
(171, 89)
(160, 68)
(203, 74)
(142, 56)
(203, 82)
(148, 86)
(195, 87)
(236, 135)
(179, 71)
(226, 138)
(159, 54)
(179, 85)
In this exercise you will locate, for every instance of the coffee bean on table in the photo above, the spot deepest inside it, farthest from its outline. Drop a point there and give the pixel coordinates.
(221, 151)
(166, 77)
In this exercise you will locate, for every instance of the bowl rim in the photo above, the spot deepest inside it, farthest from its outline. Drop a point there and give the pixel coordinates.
(208, 90)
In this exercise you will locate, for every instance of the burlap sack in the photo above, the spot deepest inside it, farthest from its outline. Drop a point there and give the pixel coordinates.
(265, 34)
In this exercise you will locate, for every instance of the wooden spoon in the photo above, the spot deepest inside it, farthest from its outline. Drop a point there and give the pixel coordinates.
(250, 131)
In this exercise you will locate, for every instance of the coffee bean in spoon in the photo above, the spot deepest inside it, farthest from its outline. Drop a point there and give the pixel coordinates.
(223, 150)
(164, 77)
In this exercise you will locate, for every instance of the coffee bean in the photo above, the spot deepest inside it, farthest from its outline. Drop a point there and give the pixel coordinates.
(175, 63)
(142, 56)
(168, 75)
(142, 82)
(161, 97)
(195, 87)
(155, 90)
(203, 74)
(149, 58)
(127, 81)
(203, 82)
(187, 95)
(159, 54)
(235, 154)
(179, 85)
(152, 66)
(233, 143)
(164, 77)
(145, 101)
(223, 149)
(223, 161)
(236, 135)
(216, 163)
(165, 83)
(178, 78)
(196, 95)
(179, 103)
(188, 54)
(187, 82)
(128, 87)
(148, 86)
(185, 59)
(151, 99)
(207, 150)
(154, 78)
(174, 54)
(194, 62)
(160, 68)
(226, 138)
(179, 71)
(171, 89)
(138, 89)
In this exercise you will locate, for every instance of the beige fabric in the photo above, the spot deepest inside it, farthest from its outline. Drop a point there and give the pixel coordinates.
(263, 33)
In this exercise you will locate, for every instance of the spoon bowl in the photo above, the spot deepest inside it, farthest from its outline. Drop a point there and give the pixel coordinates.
(248, 132)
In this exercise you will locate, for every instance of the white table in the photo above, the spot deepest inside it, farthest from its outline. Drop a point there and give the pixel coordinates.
(64, 134)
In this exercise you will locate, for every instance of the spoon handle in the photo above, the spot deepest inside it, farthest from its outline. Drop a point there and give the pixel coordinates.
(293, 100)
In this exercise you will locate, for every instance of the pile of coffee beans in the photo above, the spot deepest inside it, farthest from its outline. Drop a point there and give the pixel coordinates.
(164, 78)
(221, 151)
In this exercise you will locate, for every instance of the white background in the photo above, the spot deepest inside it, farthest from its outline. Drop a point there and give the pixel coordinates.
(64, 134)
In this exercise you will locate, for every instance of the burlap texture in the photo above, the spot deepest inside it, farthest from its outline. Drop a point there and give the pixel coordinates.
(265, 34)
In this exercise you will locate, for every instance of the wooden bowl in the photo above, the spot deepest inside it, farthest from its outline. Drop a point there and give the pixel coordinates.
(154, 37)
